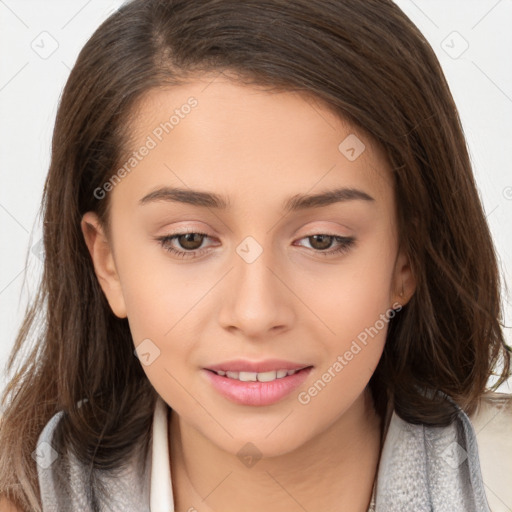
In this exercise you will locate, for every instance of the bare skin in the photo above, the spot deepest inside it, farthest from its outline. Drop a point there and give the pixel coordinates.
(295, 480)
(8, 506)
(257, 149)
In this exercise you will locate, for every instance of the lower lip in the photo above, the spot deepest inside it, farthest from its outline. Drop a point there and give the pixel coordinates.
(255, 392)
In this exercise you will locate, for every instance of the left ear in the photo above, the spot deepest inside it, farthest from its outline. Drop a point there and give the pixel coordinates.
(404, 281)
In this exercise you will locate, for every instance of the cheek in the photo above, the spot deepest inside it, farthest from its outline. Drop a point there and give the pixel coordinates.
(352, 300)
(355, 309)
(165, 303)
(160, 307)
(157, 291)
(352, 295)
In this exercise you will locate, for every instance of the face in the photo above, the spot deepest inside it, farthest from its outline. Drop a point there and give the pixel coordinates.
(251, 269)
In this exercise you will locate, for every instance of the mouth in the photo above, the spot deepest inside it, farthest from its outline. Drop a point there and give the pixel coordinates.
(256, 388)
(268, 376)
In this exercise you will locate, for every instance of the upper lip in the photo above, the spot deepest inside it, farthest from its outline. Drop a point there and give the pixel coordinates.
(268, 365)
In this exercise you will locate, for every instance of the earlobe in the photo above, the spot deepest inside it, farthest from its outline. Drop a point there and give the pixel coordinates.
(104, 263)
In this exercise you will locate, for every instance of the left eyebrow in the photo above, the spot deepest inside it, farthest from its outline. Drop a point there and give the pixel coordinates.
(295, 203)
(326, 198)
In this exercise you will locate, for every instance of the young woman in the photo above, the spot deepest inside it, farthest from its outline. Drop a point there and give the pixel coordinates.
(269, 283)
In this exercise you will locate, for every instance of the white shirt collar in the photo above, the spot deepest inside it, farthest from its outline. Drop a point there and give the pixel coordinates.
(161, 498)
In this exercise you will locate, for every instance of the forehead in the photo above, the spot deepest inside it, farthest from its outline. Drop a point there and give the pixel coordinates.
(246, 142)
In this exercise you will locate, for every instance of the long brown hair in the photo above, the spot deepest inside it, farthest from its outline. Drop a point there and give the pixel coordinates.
(371, 65)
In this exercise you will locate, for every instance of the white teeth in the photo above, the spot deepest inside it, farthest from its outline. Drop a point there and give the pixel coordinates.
(260, 377)
(247, 376)
(268, 376)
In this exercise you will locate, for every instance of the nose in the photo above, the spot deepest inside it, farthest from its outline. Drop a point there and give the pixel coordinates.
(256, 298)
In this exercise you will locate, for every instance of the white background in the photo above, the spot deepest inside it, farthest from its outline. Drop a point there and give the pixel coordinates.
(480, 77)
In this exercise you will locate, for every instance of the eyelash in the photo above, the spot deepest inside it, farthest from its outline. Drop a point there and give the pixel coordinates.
(345, 244)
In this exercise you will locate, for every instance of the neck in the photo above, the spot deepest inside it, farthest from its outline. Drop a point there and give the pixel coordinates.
(335, 470)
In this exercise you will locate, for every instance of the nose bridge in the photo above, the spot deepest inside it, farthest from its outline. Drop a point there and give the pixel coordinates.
(256, 300)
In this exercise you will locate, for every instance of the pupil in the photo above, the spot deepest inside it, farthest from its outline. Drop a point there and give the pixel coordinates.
(189, 240)
(325, 238)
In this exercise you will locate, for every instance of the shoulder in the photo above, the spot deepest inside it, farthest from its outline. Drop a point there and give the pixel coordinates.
(68, 483)
(492, 422)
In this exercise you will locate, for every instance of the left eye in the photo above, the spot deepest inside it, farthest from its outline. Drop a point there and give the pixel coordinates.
(344, 243)
(192, 241)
